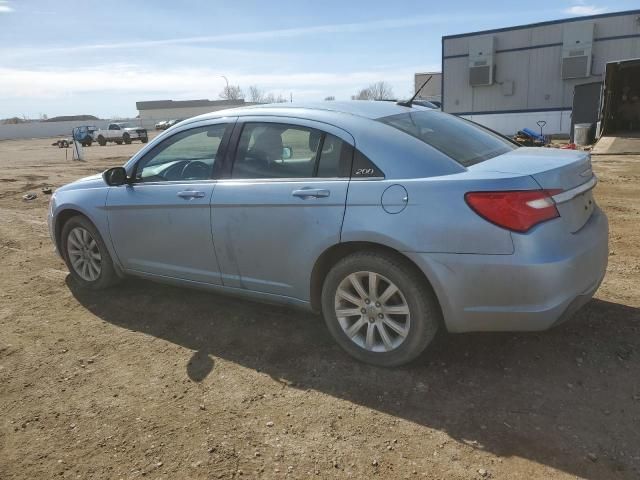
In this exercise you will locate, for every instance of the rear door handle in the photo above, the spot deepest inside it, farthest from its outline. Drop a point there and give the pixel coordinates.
(305, 193)
(190, 194)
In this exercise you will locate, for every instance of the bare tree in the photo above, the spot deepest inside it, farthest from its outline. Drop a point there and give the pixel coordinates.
(376, 91)
(260, 96)
(256, 95)
(363, 94)
(232, 92)
(330, 98)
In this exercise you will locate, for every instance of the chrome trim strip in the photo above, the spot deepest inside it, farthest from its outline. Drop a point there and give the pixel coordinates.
(574, 192)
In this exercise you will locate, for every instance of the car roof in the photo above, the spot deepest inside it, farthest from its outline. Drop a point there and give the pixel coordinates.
(357, 121)
(369, 109)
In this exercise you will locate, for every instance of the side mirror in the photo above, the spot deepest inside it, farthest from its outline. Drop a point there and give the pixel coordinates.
(287, 153)
(115, 176)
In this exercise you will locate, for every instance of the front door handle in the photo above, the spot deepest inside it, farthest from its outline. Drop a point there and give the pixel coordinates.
(187, 194)
(305, 193)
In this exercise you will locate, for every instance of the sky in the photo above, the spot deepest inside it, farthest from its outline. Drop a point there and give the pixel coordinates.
(67, 57)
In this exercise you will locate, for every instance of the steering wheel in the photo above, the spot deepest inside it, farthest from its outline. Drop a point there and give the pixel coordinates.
(196, 170)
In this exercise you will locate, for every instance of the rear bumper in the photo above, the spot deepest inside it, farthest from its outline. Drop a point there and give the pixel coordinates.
(550, 276)
(137, 135)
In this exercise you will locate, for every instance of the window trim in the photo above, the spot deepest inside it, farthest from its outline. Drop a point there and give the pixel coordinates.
(232, 153)
(224, 143)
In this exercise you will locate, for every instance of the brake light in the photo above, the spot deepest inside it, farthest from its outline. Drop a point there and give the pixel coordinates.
(517, 210)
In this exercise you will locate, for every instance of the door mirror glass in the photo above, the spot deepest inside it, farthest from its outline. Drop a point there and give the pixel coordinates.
(115, 176)
(287, 153)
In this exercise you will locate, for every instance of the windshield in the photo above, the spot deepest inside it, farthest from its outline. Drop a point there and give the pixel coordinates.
(465, 142)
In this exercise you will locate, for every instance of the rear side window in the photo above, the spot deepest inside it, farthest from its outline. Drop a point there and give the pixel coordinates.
(273, 150)
(335, 158)
(457, 138)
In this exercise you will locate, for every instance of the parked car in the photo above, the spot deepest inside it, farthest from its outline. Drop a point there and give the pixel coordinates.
(165, 124)
(84, 134)
(391, 221)
(121, 132)
(81, 134)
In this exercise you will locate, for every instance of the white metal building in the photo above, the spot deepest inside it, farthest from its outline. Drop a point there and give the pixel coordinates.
(155, 111)
(510, 78)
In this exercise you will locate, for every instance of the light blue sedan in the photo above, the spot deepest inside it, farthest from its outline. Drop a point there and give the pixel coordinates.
(390, 220)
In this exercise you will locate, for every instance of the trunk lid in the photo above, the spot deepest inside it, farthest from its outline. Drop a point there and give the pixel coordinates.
(552, 169)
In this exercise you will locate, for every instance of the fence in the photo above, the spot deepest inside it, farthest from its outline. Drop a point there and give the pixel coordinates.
(48, 129)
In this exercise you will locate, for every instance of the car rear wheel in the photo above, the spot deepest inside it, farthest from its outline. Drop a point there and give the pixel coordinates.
(379, 308)
(86, 255)
(126, 138)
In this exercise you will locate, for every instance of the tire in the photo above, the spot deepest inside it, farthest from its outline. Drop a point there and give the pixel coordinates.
(102, 141)
(126, 138)
(419, 325)
(65, 144)
(144, 140)
(60, 144)
(70, 242)
(119, 142)
(88, 142)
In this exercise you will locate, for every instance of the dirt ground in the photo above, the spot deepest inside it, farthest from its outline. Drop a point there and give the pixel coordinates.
(153, 381)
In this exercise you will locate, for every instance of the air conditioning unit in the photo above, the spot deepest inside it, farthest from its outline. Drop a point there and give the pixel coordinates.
(481, 61)
(577, 43)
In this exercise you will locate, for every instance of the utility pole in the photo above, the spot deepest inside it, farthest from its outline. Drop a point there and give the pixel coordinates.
(290, 97)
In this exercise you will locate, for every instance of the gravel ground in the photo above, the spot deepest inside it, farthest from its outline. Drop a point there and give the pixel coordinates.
(147, 380)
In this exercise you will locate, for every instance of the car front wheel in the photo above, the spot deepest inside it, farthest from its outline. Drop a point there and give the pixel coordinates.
(86, 255)
(379, 308)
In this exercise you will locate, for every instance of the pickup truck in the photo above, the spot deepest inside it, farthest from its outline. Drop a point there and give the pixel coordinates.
(121, 132)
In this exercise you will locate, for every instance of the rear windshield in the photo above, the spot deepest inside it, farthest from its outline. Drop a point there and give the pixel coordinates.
(463, 141)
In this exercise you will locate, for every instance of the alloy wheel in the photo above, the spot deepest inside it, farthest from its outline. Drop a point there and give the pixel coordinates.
(372, 311)
(84, 254)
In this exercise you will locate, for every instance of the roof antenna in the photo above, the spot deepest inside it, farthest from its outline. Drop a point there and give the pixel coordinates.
(409, 102)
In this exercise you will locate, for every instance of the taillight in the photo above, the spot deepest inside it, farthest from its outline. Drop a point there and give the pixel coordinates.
(517, 210)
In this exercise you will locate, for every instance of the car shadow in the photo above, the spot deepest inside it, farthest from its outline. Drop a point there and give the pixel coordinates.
(557, 398)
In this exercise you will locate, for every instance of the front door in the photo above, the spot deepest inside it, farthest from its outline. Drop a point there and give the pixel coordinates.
(161, 223)
(283, 204)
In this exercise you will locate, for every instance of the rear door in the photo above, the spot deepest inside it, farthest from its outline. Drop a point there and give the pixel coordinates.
(282, 203)
(161, 224)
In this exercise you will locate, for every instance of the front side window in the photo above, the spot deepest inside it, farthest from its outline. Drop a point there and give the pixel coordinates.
(188, 155)
(274, 150)
(457, 138)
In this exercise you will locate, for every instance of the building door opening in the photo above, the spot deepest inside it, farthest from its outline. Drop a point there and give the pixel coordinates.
(586, 106)
(620, 110)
